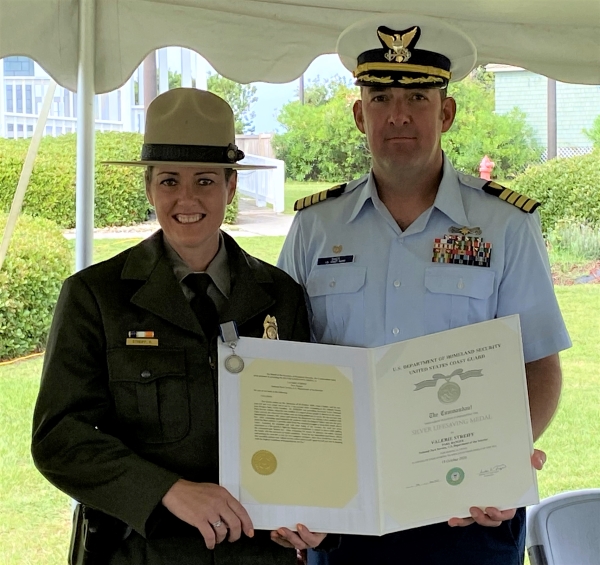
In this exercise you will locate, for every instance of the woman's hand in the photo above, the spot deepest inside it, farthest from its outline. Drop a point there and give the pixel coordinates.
(210, 508)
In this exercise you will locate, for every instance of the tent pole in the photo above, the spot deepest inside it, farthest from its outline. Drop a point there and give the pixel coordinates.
(84, 216)
(34, 145)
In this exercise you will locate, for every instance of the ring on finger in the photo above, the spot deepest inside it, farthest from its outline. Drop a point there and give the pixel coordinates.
(217, 524)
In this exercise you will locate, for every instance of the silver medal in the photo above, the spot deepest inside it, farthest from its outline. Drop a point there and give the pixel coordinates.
(234, 363)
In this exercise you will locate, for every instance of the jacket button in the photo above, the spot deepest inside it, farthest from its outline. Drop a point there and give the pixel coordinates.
(146, 374)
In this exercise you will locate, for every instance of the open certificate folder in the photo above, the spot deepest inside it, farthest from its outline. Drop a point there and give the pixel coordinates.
(376, 440)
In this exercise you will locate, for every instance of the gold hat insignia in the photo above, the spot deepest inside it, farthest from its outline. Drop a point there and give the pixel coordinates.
(398, 44)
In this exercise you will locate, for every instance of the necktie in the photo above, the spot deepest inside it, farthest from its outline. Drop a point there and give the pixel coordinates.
(202, 305)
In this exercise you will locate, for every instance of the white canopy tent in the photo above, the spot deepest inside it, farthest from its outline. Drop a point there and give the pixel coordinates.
(93, 46)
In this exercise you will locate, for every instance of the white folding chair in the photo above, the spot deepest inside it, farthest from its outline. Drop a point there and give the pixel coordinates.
(565, 529)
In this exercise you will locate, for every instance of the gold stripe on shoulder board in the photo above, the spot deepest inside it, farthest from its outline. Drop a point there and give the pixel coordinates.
(518, 200)
(307, 201)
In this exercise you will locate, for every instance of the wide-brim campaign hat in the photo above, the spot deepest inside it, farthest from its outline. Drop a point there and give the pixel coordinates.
(190, 127)
(406, 51)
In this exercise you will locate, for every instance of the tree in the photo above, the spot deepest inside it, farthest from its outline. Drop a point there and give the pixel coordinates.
(321, 141)
(239, 96)
(479, 131)
(175, 80)
(594, 133)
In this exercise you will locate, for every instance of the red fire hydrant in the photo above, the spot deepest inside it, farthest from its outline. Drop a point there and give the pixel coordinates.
(486, 167)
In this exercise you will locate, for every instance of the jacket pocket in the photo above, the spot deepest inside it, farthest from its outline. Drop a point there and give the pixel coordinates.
(150, 391)
(337, 301)
(457, 296)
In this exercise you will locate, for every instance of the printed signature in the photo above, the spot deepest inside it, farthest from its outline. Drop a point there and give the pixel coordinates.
(492, 470)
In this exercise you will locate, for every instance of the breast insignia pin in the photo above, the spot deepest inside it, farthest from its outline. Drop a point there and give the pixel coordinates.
(465, 230)
(270, 326)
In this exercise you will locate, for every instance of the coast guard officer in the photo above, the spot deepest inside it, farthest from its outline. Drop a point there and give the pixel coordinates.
(414, 248)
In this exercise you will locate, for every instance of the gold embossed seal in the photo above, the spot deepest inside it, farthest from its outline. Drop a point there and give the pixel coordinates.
(264, 462)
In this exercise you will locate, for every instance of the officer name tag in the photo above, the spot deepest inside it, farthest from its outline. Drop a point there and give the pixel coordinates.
(335, 260)
(137, 341)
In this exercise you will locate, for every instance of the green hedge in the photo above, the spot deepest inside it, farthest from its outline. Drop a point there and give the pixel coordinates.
(569, 189)
(119, 195)
(38, 260)
(231, 213)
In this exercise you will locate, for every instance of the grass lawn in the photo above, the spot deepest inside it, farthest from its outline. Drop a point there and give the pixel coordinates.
(35, 524)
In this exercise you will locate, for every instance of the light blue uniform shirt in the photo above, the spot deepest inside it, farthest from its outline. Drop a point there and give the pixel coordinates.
(391, 290)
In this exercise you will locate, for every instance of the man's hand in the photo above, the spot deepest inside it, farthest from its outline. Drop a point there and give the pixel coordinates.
(210, 508)
(303, 539)
(492, 517)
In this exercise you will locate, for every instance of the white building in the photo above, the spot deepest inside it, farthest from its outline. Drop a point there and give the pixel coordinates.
(24, 84)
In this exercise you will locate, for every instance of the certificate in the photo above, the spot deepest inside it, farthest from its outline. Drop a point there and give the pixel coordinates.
(377, 440)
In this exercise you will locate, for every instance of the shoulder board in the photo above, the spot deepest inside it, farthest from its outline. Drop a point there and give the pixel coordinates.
(319, 197)
(522, 202)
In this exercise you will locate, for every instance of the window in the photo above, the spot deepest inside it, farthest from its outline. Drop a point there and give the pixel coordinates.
(18, 66)
(9, 98)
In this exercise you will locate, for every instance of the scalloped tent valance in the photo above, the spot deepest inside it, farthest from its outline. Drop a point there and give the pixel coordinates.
(275, 40)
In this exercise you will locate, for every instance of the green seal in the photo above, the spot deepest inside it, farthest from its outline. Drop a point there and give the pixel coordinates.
(449, 393)
(455, 476)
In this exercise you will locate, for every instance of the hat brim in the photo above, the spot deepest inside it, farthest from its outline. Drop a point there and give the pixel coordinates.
(236, 166)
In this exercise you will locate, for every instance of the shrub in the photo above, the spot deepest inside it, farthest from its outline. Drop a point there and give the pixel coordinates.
(37, 262)
(321, 141)
(119, 193)
(567, 189)
(579, 240)
(231, 212)
(478, 131)
(120, 197)
(593, 134)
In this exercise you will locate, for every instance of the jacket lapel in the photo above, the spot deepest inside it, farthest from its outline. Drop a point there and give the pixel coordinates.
(249, 285)
(161, 293)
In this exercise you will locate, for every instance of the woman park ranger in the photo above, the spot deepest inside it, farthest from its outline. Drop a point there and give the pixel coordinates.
(126, 418)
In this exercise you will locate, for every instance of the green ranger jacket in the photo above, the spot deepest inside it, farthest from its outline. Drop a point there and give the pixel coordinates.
(116, 425)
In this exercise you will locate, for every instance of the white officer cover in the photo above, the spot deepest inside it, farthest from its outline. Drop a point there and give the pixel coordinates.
(275, 40)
